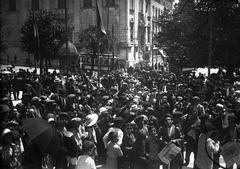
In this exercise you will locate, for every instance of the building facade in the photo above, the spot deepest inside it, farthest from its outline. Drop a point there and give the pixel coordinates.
(132, 22)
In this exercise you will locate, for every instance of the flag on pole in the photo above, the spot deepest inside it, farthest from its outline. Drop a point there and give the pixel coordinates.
(100, 26)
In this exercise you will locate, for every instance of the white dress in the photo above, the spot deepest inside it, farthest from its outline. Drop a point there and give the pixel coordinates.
(85, 162)
(113, 152)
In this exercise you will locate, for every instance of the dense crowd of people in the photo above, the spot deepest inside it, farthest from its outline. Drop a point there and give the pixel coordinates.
(124, 121)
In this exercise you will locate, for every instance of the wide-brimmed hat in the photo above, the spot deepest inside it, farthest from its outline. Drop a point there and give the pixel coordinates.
(168, 115)
(102, 110)
(36, 99)
(141, 117)
(71, 96)
(91, 119)
(6, 131)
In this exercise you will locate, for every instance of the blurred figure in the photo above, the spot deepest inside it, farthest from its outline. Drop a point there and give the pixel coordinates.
(113, 151)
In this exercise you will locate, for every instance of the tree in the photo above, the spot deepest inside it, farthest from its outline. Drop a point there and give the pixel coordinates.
(89, 42)
(187, 35)
(3, 43)
(47, 29)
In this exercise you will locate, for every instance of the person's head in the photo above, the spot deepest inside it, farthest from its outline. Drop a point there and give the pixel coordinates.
(140, 121)
(153, 131)
(7, 136)
(128, 128)
(88, 148)
(195, 100)
(168, 120)
(113, 137)
(118, 122)
(232, 120)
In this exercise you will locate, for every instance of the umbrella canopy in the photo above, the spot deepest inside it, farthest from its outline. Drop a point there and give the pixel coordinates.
(6, 72)
(72, 50)
(42, 134)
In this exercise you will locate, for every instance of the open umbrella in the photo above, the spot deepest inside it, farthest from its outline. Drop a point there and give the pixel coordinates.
(42, 134)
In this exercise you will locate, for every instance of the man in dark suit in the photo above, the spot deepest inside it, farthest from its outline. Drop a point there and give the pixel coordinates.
(169, 133)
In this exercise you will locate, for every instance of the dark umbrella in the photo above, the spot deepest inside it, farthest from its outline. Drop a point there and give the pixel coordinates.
(42, 134)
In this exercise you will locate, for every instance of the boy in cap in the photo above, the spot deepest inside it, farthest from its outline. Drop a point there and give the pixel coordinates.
(169, 133)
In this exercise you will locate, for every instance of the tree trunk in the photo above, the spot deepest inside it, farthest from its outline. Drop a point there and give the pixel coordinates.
(41, 65)
(46, 65)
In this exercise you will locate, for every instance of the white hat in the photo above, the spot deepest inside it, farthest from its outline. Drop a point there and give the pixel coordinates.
(6, 131)
(91, 120)
(50, 120)
(219, 105)
(102, 109)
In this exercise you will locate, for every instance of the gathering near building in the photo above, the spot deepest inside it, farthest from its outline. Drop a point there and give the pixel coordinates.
(118, 84)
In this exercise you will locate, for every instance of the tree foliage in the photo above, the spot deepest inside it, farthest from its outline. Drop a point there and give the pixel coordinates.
(89, 41)
(3, 43)
(185, 33)
(50, 30)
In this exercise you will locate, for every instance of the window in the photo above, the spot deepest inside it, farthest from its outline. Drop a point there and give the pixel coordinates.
(12, 5)
(35, 4)
(87, 3)
(131, 31)
(132, 5)
(61, 4)
(110, 3)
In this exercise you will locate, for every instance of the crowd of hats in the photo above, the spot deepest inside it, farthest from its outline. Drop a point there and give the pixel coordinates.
(129, 96)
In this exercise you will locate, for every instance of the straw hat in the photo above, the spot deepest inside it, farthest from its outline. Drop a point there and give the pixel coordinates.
(6, 131)
(91, 119)
(102, 110)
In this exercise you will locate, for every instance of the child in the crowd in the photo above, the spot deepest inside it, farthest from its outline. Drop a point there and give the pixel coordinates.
(86, 161)
(113, 151)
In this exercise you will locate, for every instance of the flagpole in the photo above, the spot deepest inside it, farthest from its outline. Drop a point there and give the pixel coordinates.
(99, 29)
(66, 27)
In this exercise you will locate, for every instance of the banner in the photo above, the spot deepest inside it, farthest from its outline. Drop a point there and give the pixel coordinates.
(168, 153)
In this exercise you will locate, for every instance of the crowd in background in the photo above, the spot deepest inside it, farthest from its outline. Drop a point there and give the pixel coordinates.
(124, 121)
